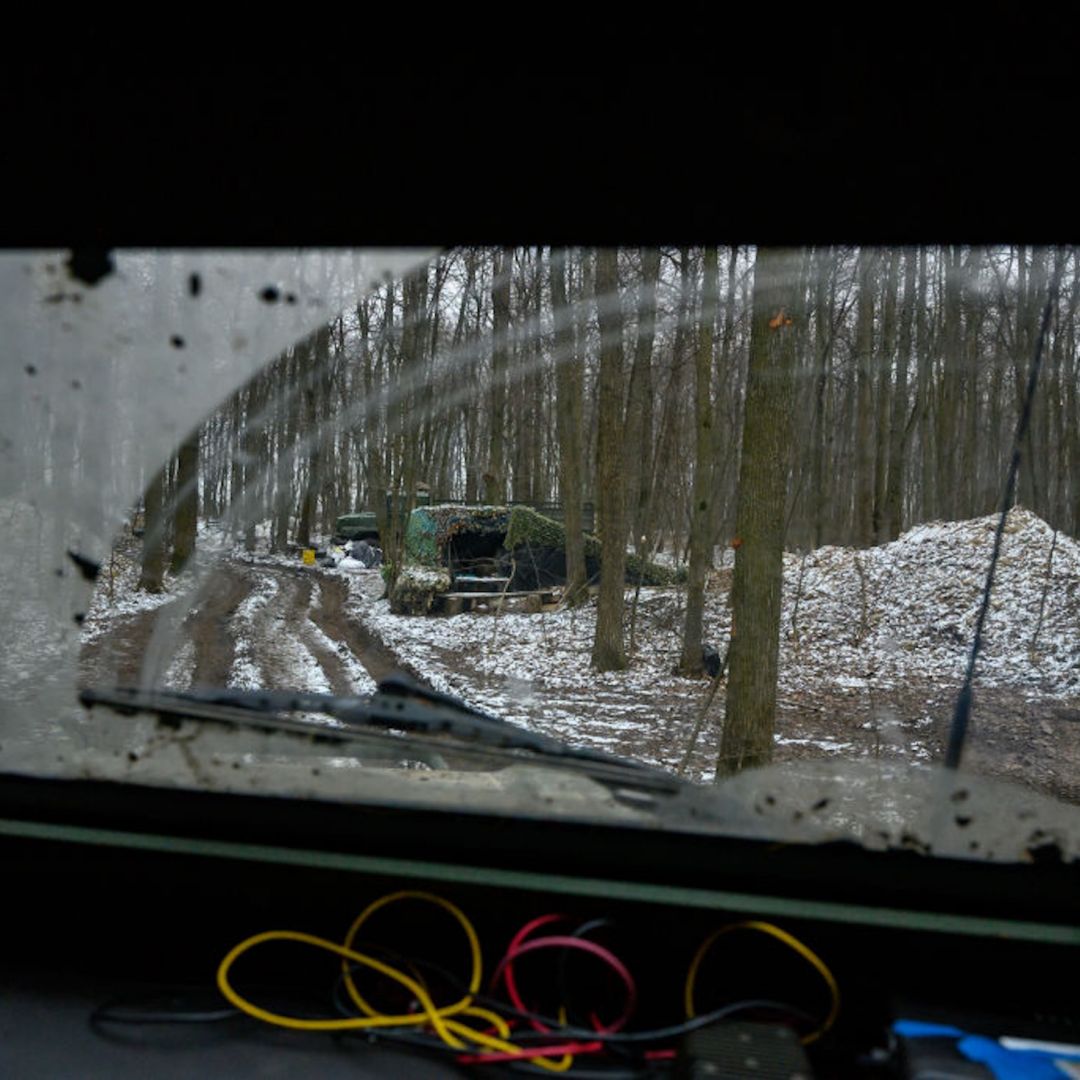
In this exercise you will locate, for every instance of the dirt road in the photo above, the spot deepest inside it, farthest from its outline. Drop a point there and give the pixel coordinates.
(245, 625)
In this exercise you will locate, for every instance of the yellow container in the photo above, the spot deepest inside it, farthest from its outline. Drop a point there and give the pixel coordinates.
(309, 556)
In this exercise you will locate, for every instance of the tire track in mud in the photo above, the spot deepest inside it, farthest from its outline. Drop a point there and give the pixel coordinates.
(307, 612)
(119, 655)
(116, 657)
(290, 625)
(210, 627)
(379, 659)
(300, 619)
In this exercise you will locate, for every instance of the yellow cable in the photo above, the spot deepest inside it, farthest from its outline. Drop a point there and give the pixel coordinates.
(448, 1030)
(792, 942)
(493, 1018)
(431, 1012)
(453, 909)
(492, 1043)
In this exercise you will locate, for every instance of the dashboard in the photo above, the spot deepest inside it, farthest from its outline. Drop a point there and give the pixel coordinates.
(137, 923)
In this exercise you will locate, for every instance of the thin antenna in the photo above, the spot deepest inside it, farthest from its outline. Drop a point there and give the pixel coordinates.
(958, 731)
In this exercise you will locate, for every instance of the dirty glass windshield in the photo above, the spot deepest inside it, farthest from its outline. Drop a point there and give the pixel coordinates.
(728, 512)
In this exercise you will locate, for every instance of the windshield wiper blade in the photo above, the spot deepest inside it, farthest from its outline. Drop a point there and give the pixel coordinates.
(399, 704)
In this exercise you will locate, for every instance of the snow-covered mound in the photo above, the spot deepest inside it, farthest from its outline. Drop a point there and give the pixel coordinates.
(908, 609)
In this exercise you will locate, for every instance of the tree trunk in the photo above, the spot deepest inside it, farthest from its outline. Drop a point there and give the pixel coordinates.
(923, 395)
(186, 520)
(665, 462)
(495, 479)
(638, 442)
(607, 653)
(690, 663)
(863, 456)
(822, 432)
(568, 387)
(885, 393)
(763, 476)
(898, 423)
(948, 413)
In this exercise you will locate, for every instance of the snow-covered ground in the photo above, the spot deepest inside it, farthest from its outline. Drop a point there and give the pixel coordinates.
(874, 644)
(118, 596)
(869, 625)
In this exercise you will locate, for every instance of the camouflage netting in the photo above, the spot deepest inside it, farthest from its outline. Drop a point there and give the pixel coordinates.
(537, 545)
(416, 589)
(432, 528)
(533, 550)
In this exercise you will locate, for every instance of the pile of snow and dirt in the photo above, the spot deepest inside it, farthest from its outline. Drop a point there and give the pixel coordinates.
(909, 608)
(874, 644)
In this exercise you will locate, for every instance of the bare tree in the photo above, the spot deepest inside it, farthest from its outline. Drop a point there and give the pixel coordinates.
(495, 486)
(186, 502)
(701, 537)
(154, 527)
(608, 653)
(763, 479)
(569, 377)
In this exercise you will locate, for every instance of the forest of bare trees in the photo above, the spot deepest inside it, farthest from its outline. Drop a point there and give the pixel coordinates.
(495, 374)
(699, 397)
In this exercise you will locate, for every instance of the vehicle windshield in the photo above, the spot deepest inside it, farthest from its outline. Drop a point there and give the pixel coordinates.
(729, 512)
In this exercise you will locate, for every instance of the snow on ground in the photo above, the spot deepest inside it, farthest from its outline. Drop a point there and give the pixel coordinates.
(256, 637)
(246, 673)
(865, 623)
(118, 596)
(533, 669)
(873, 645)
(181, 672)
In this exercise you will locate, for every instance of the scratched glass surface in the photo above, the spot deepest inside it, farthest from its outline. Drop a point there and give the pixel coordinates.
(554, 484)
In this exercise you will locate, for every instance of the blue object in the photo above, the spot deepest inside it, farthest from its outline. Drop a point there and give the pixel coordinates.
(1005, 1064)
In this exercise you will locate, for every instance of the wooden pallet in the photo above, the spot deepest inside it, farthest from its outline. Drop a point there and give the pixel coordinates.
(453, 603)
(480, 584)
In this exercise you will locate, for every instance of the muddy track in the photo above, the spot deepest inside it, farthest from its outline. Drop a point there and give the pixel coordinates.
(305, 610)
(376, 656)
(289, 625)
(302, 618)
(117, 657)
(208, 627)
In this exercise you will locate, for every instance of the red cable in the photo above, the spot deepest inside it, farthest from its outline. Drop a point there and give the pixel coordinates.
(518, 947)
(506, 967)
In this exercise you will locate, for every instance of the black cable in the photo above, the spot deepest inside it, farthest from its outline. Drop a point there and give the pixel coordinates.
(962, 713)
(588, 1034)
(114, 1014)
(455, 983)
(564, 954)
(678, 1030)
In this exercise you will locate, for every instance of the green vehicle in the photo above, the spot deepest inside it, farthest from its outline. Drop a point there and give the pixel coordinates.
(358, 526)
(362, 524)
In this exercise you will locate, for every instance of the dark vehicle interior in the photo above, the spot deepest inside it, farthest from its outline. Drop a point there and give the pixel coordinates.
(122, 900)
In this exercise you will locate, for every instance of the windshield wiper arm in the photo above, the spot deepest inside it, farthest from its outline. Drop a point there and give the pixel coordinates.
(399, 704)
